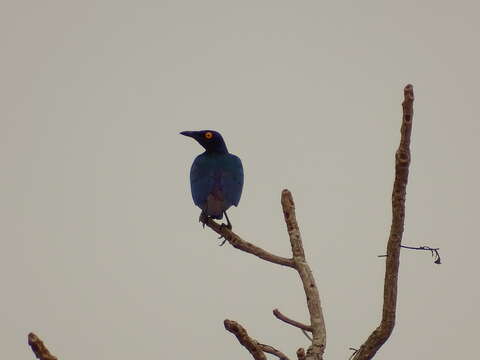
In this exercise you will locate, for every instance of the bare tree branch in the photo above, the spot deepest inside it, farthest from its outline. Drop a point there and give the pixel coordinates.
(271, 350)
(317, 322)
(238, 243)
(402, 163)
(299, 263)
(39, 349)
(286, 319)
(250, 344)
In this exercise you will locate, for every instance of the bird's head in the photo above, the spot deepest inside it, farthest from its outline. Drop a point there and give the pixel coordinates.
(211, 140)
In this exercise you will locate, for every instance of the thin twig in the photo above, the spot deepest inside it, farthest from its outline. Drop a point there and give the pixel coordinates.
(39, 349)
(242, 336)
(402, 163)
(271, 350)
(433, 251)
(317, 321)
(286, 319)
(238, 243)
(306, 335)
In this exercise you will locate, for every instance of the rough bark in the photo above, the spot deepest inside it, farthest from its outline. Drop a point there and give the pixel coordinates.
(39, 349)
(402, 162)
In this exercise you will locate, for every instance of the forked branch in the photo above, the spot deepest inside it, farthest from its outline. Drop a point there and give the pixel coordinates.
(299, 263)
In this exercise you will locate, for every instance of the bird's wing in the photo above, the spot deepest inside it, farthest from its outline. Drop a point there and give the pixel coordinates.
(202, 178)
(232, 180)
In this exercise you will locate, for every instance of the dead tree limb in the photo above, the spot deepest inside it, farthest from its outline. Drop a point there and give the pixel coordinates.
(298, 262)
(238, 243)
(242, 336)
(402, 162)
(287, 320)
(317, 321)
(271, 350)
(39, 349)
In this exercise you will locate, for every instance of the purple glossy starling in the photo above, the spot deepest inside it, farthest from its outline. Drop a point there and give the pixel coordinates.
(216, 176)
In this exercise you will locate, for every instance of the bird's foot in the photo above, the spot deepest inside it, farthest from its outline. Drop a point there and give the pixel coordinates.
(222, 226)
(203, 219)
(229, 224)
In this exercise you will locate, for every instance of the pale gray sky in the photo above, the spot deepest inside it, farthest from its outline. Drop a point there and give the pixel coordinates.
(102, 255)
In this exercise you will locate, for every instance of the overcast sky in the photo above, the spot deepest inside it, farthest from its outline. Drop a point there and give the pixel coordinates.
(102, 253)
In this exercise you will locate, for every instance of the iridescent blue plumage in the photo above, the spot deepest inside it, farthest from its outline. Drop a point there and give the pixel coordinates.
(216, 176)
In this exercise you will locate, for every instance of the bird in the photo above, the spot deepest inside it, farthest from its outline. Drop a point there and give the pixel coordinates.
(216, 176)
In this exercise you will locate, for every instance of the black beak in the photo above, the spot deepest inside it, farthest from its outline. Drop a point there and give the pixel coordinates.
(188, 133)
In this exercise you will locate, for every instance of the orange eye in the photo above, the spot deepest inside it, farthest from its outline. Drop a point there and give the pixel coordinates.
(208, 135)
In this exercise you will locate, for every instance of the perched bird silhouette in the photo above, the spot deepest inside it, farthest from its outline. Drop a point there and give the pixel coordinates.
(216, 176)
